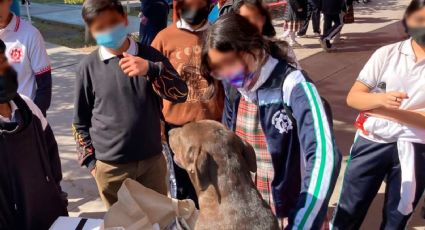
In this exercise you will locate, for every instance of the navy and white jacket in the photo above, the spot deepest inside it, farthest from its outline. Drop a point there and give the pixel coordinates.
(301, 190)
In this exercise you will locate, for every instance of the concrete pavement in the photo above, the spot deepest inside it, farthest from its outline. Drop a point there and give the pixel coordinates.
(377, 24)
(69, 14)
(77, 182)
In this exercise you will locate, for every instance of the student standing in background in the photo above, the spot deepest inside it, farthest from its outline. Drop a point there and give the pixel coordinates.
(332, 23)
(313, 13)
(257, 13)
(153, 18)
(181, 43)
(389, 144)
(295, 15)
(117, 109)
(27, 53)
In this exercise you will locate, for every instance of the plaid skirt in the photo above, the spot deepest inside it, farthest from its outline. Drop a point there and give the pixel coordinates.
(293, 20)
(248, 128)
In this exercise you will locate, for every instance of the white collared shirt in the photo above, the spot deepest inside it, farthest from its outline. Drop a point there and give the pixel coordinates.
(26, 52)
(13, 108)
(106, 55)
(395, 67)
(182, 24)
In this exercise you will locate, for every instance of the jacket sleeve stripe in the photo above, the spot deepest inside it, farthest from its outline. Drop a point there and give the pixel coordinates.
(323, 161)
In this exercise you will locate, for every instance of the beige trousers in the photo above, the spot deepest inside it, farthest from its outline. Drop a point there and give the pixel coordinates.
(150, 172)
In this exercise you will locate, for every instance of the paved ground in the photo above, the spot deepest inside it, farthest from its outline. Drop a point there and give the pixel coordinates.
(69, 14)
(377, 24)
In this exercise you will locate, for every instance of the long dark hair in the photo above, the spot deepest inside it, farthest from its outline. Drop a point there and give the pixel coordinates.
(234, 33)
(268, 28)
(414, 6)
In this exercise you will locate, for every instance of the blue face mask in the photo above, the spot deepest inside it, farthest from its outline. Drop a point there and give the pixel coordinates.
(113, 38)
(239, 79)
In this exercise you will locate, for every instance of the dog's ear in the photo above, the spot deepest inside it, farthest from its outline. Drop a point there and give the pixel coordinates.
(202, 163)
(248, 154)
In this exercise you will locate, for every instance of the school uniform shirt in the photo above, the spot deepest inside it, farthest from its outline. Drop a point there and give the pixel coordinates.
(27, 53)
(394, 68)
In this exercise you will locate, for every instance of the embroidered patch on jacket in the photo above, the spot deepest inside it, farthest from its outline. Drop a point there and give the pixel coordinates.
(281, 122)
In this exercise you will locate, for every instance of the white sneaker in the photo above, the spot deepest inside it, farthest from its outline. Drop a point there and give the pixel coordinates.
(337, 39)
(323, 44)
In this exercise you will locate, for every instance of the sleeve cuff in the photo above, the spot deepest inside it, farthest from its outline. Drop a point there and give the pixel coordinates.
(90, 163)
(154, 70)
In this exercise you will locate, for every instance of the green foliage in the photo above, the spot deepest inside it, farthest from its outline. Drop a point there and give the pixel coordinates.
(74, 1)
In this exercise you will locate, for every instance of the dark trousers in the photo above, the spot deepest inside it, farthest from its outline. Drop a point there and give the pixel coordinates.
(371, 163)
(332, 25)
(185, 189)
(313, 13)
(152, 24)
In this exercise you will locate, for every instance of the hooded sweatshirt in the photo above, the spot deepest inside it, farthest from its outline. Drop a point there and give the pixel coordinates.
(30, 192)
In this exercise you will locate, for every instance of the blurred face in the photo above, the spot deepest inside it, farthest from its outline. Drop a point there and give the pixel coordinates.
(253, 15)
(8, 81)
(224, 64)
(4, 64)
(416, 26)
(416, 19)
(194, 4)
(110, 29)
(239, 70)
(107, 20)
(194, 12)
(5, 9)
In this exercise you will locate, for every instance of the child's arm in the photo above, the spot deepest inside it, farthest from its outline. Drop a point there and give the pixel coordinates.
(317, 148)
(83, 106)
(406, 117)
(160, 73)
(40, 65)
(362, 99)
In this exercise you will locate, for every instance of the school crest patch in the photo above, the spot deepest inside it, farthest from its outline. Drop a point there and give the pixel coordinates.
(16, 54)
(281, 122)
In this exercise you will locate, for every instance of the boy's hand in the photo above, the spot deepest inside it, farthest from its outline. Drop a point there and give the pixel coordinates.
(134, 66)
(392, 100)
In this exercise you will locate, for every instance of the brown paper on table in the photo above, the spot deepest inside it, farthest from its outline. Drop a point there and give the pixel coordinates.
(139, 208)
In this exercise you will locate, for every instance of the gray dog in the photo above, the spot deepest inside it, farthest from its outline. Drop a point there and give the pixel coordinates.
(219, 163)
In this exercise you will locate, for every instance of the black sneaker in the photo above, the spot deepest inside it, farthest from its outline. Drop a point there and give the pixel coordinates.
(326, 45)
(301, 35)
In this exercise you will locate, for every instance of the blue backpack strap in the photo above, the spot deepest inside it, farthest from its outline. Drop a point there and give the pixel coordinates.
(231, 105)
